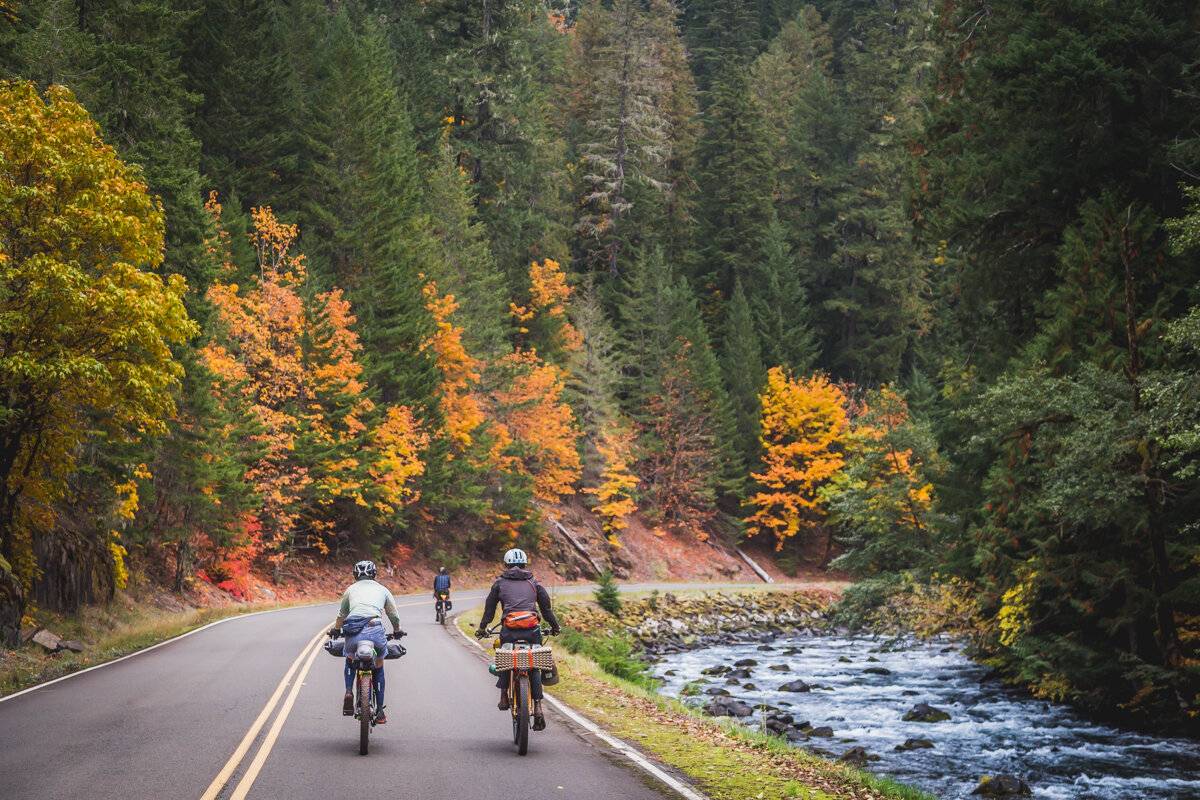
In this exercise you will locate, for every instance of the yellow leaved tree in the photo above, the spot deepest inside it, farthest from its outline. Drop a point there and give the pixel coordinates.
(803, 426)
(85, 323)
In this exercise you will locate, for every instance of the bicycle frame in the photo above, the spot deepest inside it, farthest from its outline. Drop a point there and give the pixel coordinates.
(365, 696)
(520, 694)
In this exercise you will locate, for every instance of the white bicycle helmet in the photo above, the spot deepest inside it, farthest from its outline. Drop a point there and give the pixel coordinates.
(516, 557)
(364, 569)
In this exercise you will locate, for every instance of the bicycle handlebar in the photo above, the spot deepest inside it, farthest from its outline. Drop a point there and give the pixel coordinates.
(334, 633)
(495, 629)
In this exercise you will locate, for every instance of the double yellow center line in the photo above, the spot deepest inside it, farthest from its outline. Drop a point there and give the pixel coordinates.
(308, 654)
(243, 787)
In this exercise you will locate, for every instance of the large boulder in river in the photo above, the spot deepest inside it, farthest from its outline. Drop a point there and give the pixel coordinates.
(795, 686)
(738, 674)
(914, 744)
(923, 712)
(728, 707)
(1002, 786)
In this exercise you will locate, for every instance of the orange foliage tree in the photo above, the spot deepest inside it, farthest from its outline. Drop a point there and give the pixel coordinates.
(530, 409)
(330, 459)
(510, 429)
(804, 428)
(615, 492)
(880, 502)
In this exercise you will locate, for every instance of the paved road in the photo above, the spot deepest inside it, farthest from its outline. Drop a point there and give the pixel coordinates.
(163, 724)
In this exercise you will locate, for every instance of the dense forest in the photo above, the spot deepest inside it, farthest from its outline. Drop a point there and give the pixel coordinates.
(913, 283)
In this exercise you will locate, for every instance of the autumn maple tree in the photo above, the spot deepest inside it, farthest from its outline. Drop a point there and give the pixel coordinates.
(332, 463)
(85, 323)
(881, 502)
(803, 430)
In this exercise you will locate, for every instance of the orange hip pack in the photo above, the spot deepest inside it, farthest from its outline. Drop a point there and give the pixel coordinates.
(521, 620)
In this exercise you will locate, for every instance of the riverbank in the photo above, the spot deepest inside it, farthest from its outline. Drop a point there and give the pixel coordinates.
(724, 759)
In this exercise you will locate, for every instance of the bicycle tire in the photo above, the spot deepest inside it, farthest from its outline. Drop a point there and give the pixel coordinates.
(365, 713)
(521, 721)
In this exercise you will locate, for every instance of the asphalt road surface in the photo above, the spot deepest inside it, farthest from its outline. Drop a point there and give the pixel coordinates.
(251, 708)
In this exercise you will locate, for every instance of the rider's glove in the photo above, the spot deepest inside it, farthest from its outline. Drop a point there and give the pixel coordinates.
(480, 633)
(334, 631)
(555, 631)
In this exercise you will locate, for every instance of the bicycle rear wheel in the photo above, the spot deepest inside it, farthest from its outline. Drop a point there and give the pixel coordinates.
(521, 718)
(364, 712)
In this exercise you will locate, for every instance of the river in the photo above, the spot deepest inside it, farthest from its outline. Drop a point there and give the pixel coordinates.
(992, 728)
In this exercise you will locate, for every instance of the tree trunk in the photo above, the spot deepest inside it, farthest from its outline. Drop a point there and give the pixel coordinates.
(12, 608)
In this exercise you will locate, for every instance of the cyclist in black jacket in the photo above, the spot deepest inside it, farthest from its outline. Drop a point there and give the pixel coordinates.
(517, 590)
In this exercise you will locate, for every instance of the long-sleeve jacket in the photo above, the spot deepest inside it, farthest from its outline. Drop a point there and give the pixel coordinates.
(366, 598)
(517, 590)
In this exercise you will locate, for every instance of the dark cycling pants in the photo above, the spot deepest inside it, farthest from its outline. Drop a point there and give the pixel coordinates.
(534, 636)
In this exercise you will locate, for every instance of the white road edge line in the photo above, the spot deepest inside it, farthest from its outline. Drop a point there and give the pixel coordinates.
(617, 744)
(151, 647)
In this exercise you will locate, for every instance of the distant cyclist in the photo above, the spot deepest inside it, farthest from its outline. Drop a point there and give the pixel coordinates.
(360, 618)
(517, 590)
(441, 583)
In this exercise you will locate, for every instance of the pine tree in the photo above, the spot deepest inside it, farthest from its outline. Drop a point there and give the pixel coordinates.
(1001, 178)
(625, 130)
(742, 364)
(236, 63)
(494, 61)
(782, 319)
(735, 184)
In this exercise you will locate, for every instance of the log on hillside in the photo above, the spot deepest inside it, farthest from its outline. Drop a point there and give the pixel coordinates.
(575, 543)
(757, 569)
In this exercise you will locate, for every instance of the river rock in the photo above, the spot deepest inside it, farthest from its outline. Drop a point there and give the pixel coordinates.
(717, 690)
(776, 726)
(738, 674)
(786, 719)
(793, 735)
(765, 647)
(795, 686)
(780, 667)
(877, 671)
(824, 731)
(1002, 786)
(845, 660)
(923, 712)
(858, 756)
(750, 687)
(914, 744)
(720, 669)
(746, 662)
(728, 707)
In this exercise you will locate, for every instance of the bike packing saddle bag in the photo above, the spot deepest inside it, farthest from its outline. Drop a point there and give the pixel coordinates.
(394, 650)
(521, 620)
(336, 647)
